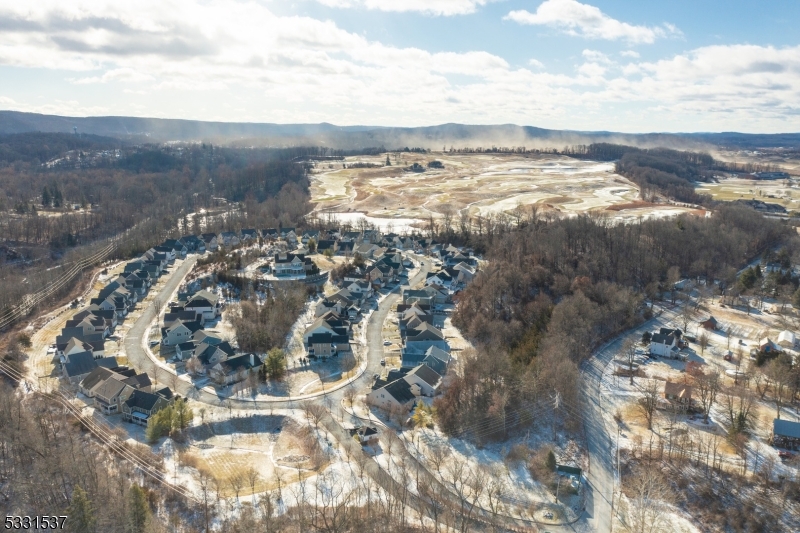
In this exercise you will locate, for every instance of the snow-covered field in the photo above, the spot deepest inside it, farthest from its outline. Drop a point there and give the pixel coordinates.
(477, 184)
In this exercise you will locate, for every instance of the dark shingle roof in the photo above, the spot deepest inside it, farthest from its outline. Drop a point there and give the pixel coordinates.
(400, 390)
(426, 374)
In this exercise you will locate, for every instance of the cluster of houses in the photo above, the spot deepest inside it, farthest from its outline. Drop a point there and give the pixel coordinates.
(81, 346)
(425, 354)
(183, 332)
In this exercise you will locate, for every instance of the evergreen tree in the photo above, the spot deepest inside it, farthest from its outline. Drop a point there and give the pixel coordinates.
(182, 414)
(275, 365)
(81, 512)
(138, 510)
(46, 197)
(388, 163)
(550, 462)
(57, 198)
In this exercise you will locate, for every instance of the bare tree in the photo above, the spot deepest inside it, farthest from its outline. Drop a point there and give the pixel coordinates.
(779, 373)
(236, 481)
(708, 385)
(738, 404)
(253, 477)
(702, 341)
(650, 496)
(651, 392)
(629, 353)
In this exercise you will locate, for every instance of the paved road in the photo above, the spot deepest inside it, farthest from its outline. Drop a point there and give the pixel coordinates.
(601, 438)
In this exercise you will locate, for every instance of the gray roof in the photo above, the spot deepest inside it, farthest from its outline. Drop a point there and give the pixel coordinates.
(426, 374)
(400, 390)
(95, 376)
(658, 338)
(786, 428)
(79, 364)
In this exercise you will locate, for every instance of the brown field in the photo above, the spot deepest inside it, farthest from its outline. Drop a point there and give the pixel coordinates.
(473, 184)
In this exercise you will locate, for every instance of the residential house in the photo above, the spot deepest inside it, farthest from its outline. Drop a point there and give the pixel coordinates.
(185, 350)
(366, 250)
(424, 380)
(344, 247)
(229, 238)
(141, 405)
(308, 235)
(678, 394)
(287, 264)
(785, 433)
(434, 357)
(183, 315)
(391, 396)
(93, 378)
(210, 241)
(211, 354)
(423, 337)
(234, 369)
(320, 345)
(767, 346)
(179, 332)
(330, 323)
(249, 234)
(110, 393)
(270, 234)
(80, 365)
(664, 345)
(204, 303)
(411, 296)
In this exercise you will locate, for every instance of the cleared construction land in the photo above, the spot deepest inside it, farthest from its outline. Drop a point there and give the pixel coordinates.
(480, 184)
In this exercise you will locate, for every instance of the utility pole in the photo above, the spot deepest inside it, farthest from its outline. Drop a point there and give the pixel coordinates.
(556, 404)
(616, 481)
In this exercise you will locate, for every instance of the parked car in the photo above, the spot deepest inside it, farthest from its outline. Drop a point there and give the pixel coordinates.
(387, 343)
(785, 455)
(383, 362)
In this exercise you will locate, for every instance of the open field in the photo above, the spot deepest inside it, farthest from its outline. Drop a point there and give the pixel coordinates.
(770, 191)
(477, 184)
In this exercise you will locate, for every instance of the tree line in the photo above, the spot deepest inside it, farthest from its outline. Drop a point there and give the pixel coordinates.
(554, 289)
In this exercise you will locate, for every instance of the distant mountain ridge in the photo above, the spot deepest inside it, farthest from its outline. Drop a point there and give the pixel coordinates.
(350, 137)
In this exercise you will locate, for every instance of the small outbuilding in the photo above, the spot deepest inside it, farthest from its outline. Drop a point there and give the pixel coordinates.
(786, 339)
(710, 324)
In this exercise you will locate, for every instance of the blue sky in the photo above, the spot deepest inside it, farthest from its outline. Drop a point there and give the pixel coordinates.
(584, 65)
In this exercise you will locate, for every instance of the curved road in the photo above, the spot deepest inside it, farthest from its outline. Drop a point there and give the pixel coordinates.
(138, 333)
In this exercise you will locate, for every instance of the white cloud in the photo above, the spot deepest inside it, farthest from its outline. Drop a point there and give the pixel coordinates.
(588, 21)
(125, 74)
(428, 7)
(630, 53)
(188, 59)
(595, 56)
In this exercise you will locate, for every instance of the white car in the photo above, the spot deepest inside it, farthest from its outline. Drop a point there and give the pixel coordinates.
(387, 343)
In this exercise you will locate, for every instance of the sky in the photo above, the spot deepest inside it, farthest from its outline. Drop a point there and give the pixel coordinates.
(610, 65)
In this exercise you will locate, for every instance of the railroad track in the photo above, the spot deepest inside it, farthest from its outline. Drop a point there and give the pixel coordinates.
(101, 431)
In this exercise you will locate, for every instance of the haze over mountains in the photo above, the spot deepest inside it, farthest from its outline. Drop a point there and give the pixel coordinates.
(351, 137)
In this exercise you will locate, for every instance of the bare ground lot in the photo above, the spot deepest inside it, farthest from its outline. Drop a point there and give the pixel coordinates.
(477, 184)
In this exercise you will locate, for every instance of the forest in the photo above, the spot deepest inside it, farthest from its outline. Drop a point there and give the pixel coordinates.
(555, 289)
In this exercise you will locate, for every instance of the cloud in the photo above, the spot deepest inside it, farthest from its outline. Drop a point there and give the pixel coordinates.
(584, 20)
(629, 53)
(127, 75)
(428, 7)
(272, 68)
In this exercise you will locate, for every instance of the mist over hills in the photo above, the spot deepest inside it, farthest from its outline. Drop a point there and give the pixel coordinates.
(352, 137)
